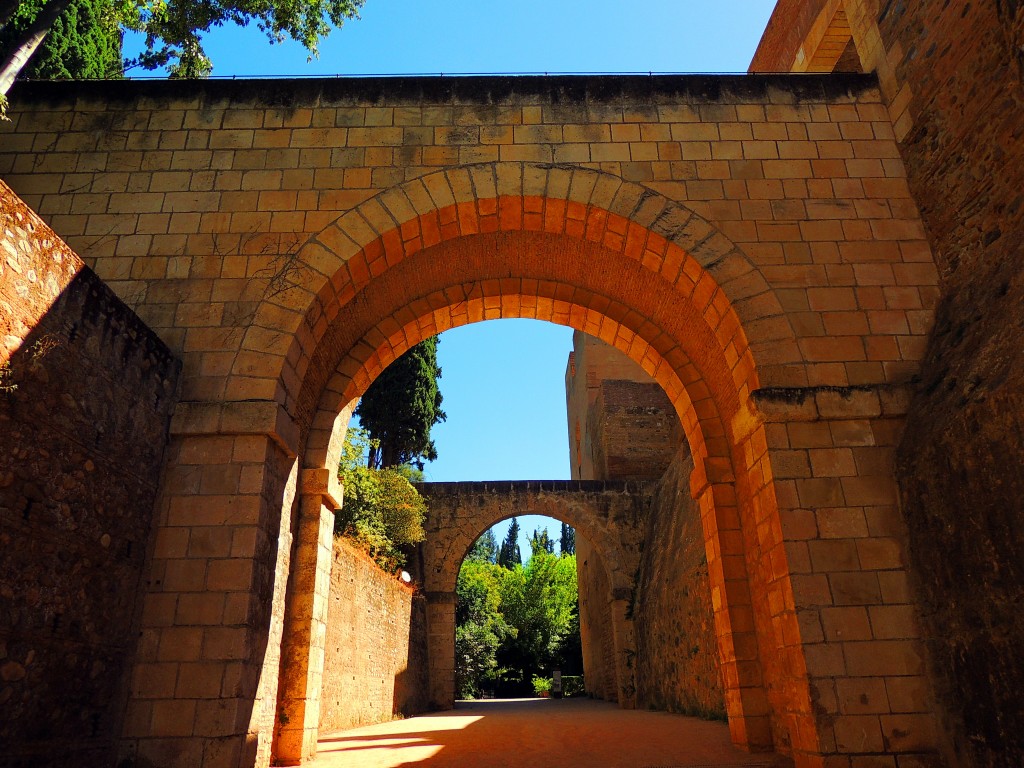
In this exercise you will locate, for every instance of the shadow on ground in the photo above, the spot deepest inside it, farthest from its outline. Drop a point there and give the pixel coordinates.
(536, 733)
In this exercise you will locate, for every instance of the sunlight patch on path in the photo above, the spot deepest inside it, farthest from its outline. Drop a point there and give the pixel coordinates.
(539, 733)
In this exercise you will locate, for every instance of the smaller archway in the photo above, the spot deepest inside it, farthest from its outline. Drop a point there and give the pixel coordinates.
(608, 514)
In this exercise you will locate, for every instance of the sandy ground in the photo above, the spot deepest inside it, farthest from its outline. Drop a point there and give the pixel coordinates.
(536, 733)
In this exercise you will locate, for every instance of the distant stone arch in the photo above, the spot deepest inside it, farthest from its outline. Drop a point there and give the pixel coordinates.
(609, 515)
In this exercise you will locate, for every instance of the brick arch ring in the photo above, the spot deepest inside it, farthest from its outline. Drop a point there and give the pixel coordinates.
(581, 248)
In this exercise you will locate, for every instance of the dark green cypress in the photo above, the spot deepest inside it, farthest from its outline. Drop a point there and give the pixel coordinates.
(84, 42)
(510, 556)
(401, 406)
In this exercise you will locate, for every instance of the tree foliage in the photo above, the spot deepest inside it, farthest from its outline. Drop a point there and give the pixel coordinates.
(567, 541)
(485, 549)
(509, 555)
(540, 541)
(174, 28)
(480, 627)
(381, 510)
(173, 31)
(84, 42)
(401, 406)
(515, 622)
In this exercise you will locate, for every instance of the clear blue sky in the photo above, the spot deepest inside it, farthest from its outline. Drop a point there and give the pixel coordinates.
(503, 380)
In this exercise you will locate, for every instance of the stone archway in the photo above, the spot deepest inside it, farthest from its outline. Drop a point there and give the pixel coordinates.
(787, 358)
(582, 259)
(609, 515)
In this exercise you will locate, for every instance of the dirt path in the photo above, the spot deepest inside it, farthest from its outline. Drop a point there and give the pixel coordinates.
(538, 733)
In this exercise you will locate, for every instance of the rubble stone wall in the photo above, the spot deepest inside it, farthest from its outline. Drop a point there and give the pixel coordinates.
(375, 665)
(86, 392)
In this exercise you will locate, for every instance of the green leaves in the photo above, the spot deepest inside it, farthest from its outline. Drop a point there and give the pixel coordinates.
(381, 511)
(515, 621)
(83, 43)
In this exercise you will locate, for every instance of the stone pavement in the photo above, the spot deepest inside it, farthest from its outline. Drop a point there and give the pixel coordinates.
(531, 733)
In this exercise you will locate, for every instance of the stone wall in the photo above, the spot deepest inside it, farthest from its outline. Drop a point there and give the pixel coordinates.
(959, 465)
(595, 623)
(952, 77)
(85, 398)
(635, 430)
(677, 663)
(376, 665)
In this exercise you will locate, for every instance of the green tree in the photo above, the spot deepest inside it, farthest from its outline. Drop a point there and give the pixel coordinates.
(174, 29)
(381, 511)
(509, 555)
(480, 627)
(401, 406)
(83, 42)
(541, 541)
(567, 541)
(484, 549)
(538, 601)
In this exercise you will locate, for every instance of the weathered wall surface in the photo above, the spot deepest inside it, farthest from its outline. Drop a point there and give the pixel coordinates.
(960, 464)
(952, 77)
(595, 623)
(376, 664)
(733, 235)
(85, 400)
(635, 430)
(677, 662)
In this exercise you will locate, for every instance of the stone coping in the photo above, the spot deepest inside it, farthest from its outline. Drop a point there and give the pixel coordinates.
(535, 486)
(464, 89)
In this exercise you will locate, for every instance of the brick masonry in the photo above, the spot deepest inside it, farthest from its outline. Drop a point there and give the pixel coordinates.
(376, 663)
(86, 396)
(621, 424)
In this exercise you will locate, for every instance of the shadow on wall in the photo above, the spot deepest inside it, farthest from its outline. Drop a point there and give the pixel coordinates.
(85, 403)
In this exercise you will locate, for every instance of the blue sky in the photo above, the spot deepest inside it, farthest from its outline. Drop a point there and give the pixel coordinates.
(503, 381)
(452, 36)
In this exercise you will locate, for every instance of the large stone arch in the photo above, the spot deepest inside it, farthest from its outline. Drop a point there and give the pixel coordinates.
(583, 249)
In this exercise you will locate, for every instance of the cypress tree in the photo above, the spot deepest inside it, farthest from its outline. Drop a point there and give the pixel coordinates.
(509, 556)
(83, 43)
(567, 541)
(485, 550)
(401, 406)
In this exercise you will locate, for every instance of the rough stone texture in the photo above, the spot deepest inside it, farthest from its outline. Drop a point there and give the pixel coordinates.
(596, 638)
(85, 401)
(375, 665)
(952, 77)
(617, 414)
(677, 663)
(960, 464)
(609, 516)
(636, 432)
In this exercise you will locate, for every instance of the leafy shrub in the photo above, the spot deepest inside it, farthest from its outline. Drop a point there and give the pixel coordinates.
(382, 512)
